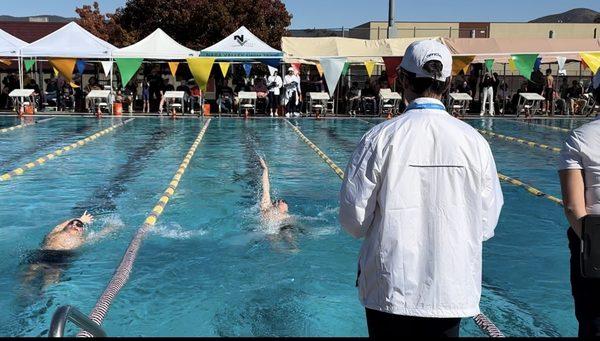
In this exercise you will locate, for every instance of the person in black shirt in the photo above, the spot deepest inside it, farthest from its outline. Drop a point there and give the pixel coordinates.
(224, 97)
(575, 94)
(368, 98)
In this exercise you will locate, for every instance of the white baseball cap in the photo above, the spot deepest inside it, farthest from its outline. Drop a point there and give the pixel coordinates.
(420, 52)
(291, 68)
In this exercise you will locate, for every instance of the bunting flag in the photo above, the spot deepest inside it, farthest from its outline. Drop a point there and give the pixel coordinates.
(173, 67)
(80, 66)
(592, 60)
(200, 68)
(461, 63)
(224, 68)
(524, 64)
(296, 67)
(369, 65)
(332, 69)
(511, 64)
(73, 85)
(319, 69)
(55, 71)
(271, 69)
(274, 62)
(28, 64)
(247, 69)
(391, 66)
(64, 66)
(6, 62)
(489, 64)
(538, 63)
(346, 68)
(107, 66)
(561, 65)
(128, 67)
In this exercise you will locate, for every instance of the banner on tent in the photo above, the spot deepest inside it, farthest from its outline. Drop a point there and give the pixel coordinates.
(80, 66)
(247, 69)
(296, 67)
(332, 70)
(128, 67)
(200, 68)
(271, 70)
(346, 68)
(489, 64)
(64, 66)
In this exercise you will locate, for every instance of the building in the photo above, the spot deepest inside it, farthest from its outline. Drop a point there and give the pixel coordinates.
(378, 30)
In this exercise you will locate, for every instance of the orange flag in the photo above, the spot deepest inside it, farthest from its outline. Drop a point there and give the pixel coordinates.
(173, 67)
(461, 63)
(64, 66)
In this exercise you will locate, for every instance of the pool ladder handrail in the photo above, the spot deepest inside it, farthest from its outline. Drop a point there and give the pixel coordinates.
(70, 313)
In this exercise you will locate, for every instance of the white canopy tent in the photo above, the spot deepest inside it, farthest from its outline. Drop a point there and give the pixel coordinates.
(241, 45)
(158, 46)
(10, 45)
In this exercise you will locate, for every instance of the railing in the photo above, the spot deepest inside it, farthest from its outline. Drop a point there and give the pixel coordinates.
(70, 313)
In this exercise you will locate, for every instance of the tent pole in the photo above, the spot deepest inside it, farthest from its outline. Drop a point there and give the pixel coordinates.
(20, 72)
(504, 91)
(112, 97)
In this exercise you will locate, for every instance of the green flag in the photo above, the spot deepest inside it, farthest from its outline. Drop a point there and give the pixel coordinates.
(489, 64)
(524, 63)
(28, 64)
(127, 68)
(345, 69)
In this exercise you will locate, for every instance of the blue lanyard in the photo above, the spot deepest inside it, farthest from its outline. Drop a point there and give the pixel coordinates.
(433, 106)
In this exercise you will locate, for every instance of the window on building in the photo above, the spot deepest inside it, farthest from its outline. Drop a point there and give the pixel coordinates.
(551, 34)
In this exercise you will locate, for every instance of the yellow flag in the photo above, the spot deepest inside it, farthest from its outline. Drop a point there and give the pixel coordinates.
(224, 68)
(6, 62)
(173, 67)
(461, 63)
(64, 66)
(200, 68)
(320, 69)
(370, 65)
(511, 64)
(592, 60)
(55, 71)
(73, 85)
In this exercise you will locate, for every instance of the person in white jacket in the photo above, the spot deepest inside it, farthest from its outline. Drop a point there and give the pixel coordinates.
(274, 84)
(423, 191)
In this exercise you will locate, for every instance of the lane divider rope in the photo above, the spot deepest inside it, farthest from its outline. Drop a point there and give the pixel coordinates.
(519, 140)
(121, 275)
(316, 149)
(40, 161)
(541, 125)
(23, 125)
(480, 320)
(519, 183)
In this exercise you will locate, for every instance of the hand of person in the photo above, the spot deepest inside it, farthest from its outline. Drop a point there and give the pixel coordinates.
(263, 164)
(86, 218)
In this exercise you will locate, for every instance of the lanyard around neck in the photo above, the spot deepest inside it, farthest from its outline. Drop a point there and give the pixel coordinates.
(419, 106)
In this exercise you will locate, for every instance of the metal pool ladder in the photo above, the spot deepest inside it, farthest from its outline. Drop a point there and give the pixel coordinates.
(70, 313)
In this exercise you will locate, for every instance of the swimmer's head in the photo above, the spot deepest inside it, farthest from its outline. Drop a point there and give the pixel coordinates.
(281, 205)
(74, 227)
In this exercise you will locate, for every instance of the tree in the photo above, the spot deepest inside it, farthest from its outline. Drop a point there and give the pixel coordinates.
(194, 23)
(103, 26)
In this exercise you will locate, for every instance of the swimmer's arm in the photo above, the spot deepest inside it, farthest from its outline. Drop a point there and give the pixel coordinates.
(265, 202)
(59, 227)
(90, 238)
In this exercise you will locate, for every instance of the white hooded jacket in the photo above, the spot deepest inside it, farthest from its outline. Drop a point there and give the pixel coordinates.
(423, 190)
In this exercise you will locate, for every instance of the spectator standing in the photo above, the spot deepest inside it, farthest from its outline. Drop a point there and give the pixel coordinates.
(145, 96)
(420, 265)
(274, 84)
(292, 98)
(579, 172)
(487, 86)
(548, 92)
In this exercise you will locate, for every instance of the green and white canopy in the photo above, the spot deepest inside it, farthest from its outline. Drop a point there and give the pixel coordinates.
(241, 44)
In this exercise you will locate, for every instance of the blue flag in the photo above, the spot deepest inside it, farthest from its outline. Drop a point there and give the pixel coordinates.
(80, 66)
(247, 69)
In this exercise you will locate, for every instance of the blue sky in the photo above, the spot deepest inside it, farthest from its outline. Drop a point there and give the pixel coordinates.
(349, 13)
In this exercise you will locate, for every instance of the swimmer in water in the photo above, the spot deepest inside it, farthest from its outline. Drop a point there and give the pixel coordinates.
(271, 211)
(58, 248)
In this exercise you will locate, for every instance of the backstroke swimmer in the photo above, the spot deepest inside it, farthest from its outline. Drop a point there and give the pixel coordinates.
(58, 248)
(275, 213)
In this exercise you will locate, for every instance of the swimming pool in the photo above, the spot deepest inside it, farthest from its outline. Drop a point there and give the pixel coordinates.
(208, 267)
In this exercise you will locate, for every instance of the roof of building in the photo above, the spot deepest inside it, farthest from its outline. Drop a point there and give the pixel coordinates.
(30, 31)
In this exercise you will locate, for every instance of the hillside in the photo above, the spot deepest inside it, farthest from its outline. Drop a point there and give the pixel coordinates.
(577, 15)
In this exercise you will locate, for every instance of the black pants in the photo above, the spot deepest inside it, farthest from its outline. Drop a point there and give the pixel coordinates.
(586, 292)
(273, 101)
(291, 104)
(382, 325)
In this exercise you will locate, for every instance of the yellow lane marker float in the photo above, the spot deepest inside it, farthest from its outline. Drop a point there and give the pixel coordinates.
(122, 273)
(541, 125)
(40, 161)
(23, 125)
(314, 147)
(481, 320)
(518, 140)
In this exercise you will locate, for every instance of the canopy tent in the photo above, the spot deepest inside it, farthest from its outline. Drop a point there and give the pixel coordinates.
(69, 41)
(241, 45)
(500, 49)
(158, 46)
(10, 45)
(355, 50)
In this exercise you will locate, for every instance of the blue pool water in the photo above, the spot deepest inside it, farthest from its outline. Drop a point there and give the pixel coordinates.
(209, 268)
